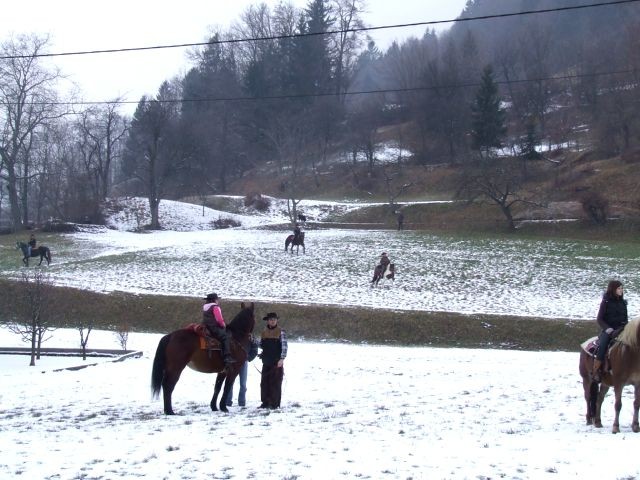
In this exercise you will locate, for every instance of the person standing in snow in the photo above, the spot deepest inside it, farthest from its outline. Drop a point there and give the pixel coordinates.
(274, 350)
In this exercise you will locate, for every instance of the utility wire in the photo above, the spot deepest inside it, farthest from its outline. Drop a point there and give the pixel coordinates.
(331, 32)
(359, 92)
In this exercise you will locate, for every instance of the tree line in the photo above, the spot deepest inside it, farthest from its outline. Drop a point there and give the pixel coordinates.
(298, 99)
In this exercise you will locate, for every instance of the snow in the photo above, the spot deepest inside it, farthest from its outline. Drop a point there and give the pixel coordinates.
(347, 412)
(470, 275)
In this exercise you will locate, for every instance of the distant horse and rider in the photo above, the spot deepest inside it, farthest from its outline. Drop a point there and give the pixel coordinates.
(42, 251)
(188, 347)
(621, 368)
(385, 270)
(295, 240)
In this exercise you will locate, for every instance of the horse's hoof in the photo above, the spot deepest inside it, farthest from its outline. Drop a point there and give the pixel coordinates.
(635, 427)
(597, 424)
(169, 412)
(615, 429)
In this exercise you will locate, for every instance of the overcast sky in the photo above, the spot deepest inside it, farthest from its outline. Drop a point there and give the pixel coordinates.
(80, 25)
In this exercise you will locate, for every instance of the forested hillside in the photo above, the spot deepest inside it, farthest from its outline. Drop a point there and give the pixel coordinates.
(501, 98)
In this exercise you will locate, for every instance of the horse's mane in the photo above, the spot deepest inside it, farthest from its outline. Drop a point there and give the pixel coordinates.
(243, 322)
(629, 336)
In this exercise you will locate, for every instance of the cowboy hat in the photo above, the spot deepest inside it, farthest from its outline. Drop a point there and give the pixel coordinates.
(270, 316)
(212, 297)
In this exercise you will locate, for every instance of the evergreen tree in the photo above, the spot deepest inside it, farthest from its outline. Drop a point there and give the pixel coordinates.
(488, 117)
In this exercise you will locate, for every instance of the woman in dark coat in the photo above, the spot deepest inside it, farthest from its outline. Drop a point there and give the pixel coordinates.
(612, 316)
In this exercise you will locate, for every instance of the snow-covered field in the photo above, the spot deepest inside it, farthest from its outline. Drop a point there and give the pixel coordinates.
(347, 412)
(512, 276)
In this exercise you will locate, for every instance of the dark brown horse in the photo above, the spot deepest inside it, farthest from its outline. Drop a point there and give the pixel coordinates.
(182, 348)
(622, 367)
(43, 252)
(291, 240)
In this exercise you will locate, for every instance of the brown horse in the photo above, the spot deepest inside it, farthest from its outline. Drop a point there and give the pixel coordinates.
(181, 348)
(291, 240)
(621, 368)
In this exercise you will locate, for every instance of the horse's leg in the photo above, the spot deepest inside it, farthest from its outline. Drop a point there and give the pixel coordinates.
(597, 421)
(176, 362)
(591, 398)
(617, 407)
(636, 406)
(41, 257)
(168, 384)
(228, 385)
(214, 400)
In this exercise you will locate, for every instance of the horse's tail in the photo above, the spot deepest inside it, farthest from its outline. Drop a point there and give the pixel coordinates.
(286, 243)
(159, 364)
(47, 254)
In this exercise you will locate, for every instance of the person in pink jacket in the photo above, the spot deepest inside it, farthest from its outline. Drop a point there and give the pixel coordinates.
(213, 319)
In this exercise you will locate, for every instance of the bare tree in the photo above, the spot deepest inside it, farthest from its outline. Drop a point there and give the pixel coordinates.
(101, 131)
(31, 311)
(122, 334)
(27, 101)
(84, 329)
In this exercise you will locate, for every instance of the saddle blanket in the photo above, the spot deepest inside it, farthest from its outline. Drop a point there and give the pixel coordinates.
(590, 346)
(207, 342)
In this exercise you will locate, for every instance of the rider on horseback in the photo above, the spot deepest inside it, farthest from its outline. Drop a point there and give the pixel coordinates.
(381, 267)
(212, 318)
(296, 232)
(31, 245)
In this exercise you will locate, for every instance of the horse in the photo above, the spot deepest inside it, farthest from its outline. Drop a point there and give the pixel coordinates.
(291, 240)
(43, 252)
(622, 367)
(389, 274)
(182, 348)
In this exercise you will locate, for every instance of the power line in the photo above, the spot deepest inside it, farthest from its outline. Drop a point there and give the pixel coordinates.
(331, 32)
(352, 93)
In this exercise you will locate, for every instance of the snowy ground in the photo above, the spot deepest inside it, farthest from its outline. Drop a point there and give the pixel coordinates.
(347, 412)
(511, 276)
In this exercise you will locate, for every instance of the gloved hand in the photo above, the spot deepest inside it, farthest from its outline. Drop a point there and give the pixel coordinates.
(609, 331)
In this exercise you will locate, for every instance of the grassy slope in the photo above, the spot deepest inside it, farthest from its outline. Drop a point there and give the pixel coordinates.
(145, 313)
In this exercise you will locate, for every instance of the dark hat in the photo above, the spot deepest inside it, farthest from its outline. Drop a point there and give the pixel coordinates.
(270, 316)
(212, 297)
(384, 254)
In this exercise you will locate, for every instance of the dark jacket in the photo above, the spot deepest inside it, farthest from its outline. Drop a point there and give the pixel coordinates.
(274, 345)
(32, 243)
(612, 312)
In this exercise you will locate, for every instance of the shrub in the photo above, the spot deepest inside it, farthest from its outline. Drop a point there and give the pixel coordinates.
(257, 201)
(596, 207)
(225, 223)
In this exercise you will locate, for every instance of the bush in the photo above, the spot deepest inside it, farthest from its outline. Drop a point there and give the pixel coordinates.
(257, 201)
(596, 207)
(225, 223)
(59, 226)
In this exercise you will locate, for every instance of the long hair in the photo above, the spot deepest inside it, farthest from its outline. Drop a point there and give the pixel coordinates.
(612, 287)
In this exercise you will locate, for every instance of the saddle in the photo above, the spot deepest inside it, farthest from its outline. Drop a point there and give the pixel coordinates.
(207, 342)
(592, 345)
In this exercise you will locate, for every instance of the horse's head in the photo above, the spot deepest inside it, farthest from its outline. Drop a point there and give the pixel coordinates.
(244, 322)
(21, 246)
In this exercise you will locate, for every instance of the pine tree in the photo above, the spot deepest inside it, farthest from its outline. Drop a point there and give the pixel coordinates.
(488, 117)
